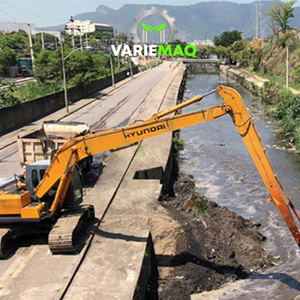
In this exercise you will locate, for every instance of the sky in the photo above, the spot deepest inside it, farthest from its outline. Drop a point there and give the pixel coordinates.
(54, 12)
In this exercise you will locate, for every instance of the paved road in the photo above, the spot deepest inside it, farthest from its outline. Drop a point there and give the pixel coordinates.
(115, 109)
(112, 110)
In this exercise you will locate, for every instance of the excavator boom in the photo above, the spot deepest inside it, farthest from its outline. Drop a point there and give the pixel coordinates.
(60, 169)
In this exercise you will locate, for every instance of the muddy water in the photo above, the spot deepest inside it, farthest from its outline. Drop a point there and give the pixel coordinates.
(225, 173)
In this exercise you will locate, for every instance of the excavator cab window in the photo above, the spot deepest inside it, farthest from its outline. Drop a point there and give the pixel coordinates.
(42, 173)
(75, 191)
(35, 178)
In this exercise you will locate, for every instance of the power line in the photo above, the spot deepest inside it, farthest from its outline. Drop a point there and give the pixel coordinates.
(10, 16)
(43, 17)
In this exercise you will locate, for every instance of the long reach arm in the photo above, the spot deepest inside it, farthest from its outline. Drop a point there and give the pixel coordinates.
(96, 142)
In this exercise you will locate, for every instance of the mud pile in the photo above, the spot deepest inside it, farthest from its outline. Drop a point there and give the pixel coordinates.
(215, 245)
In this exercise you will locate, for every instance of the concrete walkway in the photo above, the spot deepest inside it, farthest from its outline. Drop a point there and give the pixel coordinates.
(126, 224)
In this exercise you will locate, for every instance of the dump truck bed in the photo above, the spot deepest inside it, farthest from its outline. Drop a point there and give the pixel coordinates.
(39, 144)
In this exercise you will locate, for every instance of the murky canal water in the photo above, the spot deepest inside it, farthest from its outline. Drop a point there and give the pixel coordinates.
(224, 172)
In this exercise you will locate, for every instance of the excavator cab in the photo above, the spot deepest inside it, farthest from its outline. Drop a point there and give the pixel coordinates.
(29, 215)
(34, 175)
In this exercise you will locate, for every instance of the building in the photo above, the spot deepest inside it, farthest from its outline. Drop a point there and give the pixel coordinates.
(11, 27)
(82, 27)
(204, 43)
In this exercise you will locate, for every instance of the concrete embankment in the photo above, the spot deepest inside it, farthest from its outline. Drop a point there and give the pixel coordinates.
(246, 79)
(116, 261)
(250, 81)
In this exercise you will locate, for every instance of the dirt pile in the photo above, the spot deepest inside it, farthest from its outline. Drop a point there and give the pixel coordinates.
(214, 245)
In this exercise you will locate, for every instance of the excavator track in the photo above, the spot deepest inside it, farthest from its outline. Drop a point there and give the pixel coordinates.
(68, 232)
(4, 239)
(10, 236)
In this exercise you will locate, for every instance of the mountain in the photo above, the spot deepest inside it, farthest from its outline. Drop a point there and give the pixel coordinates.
(193, 21)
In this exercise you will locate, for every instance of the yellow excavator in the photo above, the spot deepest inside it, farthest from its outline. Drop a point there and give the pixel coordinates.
(24, 210)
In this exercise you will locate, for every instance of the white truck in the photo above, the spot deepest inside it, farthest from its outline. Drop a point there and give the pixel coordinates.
(41, 144)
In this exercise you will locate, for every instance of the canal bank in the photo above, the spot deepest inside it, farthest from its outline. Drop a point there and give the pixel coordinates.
(251, 82)
(281, 104)
(215, 246)
(224, 172)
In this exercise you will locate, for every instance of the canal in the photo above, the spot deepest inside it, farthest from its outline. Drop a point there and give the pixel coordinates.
(224, 172)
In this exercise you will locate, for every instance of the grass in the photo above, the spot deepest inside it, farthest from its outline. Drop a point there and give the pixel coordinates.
(200, 204)
(178, 143)
(284, 106)
(279, 79)
(34, 90)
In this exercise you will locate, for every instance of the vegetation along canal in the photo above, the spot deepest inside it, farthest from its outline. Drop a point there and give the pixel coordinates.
(224, 172)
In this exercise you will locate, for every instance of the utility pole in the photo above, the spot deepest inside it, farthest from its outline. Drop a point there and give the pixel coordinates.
(130, 64)
(119, 65)
(73, 32)
(81, 45)
(64, 75)
(56, 46)
(287, 68)
(112, 69)
(42, 37)
(87, 40)
(30, 42)
(80, 37)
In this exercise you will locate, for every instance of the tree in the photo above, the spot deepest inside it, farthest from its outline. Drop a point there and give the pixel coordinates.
(241, 53)
(203, 51)
(223, 53)
(227, 38)
(7, 59)
(280, 15)
(47, 67)
(99, 35)
(15, 40)
(80, 69)
(122, 37)
(101, 62)
(93, 42)
(7, 95)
